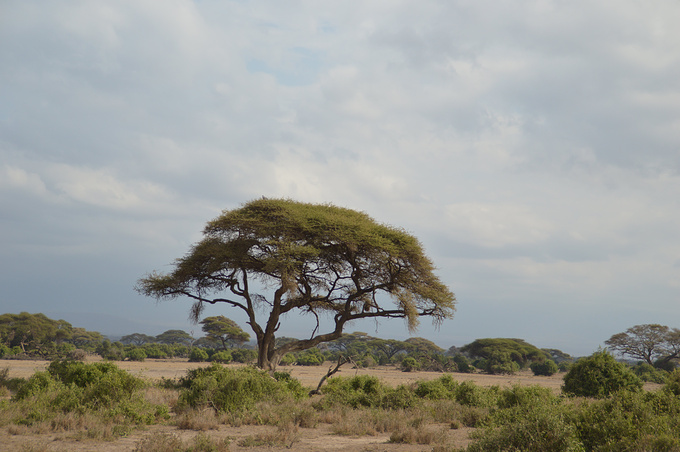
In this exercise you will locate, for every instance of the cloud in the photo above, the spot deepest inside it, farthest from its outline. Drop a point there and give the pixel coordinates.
(531, 146)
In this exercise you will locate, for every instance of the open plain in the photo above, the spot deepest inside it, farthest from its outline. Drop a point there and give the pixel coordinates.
(319, 438)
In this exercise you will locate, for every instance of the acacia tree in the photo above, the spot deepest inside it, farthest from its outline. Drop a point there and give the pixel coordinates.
(649, 342)
(225, 330)
(313, 259)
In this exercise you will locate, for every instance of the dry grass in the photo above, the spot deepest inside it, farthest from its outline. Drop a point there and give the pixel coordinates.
(285, 435)
(200, 420)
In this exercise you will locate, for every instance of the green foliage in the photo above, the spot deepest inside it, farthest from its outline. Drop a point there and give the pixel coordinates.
(318, 259)
(223, 357)
(222, 329)
(198, 355)
(310, 357)
(672, 383)
(599, 375)
(498, 362)
(175, 337)
(499, 354)
(233, 390)
(463, 364)
(637, 421)
(366, 391)
(444, 387)
(410, 364)
(546, 368)
(538, 427)
(650, 373)
(79, 388)
(136, 354)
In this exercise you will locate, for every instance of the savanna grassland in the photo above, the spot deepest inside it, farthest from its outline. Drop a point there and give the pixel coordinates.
(160, 405)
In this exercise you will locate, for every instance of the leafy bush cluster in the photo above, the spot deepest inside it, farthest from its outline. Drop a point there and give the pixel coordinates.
(227, 389)
(76, 387)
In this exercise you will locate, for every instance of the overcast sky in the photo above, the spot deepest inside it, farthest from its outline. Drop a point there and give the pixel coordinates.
(532, 146)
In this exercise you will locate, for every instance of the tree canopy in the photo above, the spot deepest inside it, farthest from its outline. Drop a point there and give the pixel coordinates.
(222, 329)
(652, 343)
(313, 259)
(517, 350)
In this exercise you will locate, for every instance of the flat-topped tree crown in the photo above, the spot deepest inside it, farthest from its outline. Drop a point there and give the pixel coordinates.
(317, 259)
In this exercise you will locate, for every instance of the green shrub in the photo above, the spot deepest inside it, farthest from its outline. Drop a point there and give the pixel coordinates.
(366, 391)
(444, 387)
(409, 364)
(650, 373)
(631, 421)
(198, 355)
(311, 357)
(136, 354)
(463, 364)
(539, 428)
(546, 368)
(469, 394)
(228, 389)
(243, 355)
(672, 383)
(599, 375)
(223, 357)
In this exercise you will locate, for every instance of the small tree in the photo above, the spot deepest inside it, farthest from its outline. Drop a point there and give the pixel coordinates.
(545, 368)
(319, 260)
(598, 376)
(226, 331)
(175, 337)
(137, 339)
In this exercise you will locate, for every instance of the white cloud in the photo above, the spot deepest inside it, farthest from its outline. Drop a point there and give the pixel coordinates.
(531, 143)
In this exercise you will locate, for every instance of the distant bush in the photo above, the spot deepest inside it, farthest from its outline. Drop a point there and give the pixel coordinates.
(223, 357)
(410, 364)
(650, 373)
(463, 364)
(198, 355)
(136, 354)
(311, 357)
(77, 355)
(243, 355)
(599, 375)
(546, 368)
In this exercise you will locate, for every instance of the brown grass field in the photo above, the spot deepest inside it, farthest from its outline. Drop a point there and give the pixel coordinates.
(319, 438)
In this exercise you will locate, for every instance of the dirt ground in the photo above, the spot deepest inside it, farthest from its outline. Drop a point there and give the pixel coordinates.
(316, 439)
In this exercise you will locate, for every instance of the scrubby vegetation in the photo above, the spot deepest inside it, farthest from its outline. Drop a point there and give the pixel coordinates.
(100, 401)
(602, 405)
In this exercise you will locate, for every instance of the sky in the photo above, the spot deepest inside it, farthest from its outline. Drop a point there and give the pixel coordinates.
(532, 146)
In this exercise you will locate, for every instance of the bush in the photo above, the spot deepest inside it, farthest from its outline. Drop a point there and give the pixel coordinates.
(366, 391)
(539, 428)
(136, 354)
(77, 355)
(650, 373)
(311, 357)
(223, 357)
(243, 355)
(673, 383)
(409, 364)
(599, 375)
(546, 368)
(198, 355)
(463, 364)
(444, 387)
(631, 421)
(226, 389)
